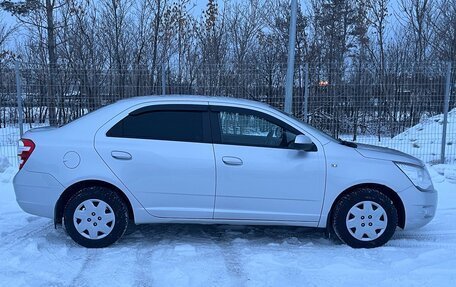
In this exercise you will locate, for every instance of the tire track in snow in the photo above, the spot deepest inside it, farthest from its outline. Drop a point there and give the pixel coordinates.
(142, 262)
(79, 278)
(150, 235)
(24, 233)
(437, 239)
(38, 237)
(231, 256)
(427, 235)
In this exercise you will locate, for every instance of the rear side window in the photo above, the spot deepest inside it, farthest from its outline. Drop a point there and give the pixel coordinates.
(161, 125)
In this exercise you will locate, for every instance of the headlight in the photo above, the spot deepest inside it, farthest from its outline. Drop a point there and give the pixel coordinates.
(418, 175)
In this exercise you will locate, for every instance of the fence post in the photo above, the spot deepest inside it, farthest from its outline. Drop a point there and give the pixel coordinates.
(291, 59)
(306, 93)
(163, 80)
(446, 106)
(19, 98)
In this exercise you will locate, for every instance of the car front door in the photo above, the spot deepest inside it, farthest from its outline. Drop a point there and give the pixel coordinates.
(260, 176)
(163, 154)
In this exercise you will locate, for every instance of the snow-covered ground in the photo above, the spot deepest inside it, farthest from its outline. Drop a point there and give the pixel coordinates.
(33, 253)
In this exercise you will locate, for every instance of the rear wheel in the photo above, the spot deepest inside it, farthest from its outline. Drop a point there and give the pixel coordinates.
(95, 217)
(364, 218)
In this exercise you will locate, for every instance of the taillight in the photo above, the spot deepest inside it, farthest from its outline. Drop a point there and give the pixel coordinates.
(24, 150)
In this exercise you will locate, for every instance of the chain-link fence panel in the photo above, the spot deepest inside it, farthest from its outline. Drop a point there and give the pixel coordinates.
(399, 106)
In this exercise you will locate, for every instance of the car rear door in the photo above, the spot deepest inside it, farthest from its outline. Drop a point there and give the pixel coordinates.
(260, 176)
(163, 154)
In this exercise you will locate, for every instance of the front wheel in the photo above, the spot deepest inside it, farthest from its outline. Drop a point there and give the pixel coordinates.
(364, 218)
(95, 217)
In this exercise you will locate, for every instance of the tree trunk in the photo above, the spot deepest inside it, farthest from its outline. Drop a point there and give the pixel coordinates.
(51, 47)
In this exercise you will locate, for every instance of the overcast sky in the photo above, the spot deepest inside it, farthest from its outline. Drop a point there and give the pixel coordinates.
(7, 18)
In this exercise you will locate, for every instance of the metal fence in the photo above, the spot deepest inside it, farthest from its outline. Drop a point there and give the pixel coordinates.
(406, 106)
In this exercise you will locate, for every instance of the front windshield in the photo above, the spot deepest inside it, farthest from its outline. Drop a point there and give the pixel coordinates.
(307, 126)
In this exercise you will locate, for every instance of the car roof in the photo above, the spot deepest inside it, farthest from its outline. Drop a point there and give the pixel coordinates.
(104, 114)
(193, 98)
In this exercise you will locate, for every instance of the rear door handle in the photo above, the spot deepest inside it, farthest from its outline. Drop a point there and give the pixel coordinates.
(231, 160)
(122, 155)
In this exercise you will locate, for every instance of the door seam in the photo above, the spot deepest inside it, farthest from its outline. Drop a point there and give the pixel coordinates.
(211, 130)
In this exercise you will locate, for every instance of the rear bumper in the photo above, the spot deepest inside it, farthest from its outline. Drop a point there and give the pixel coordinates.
(420, 207)
(37, 193)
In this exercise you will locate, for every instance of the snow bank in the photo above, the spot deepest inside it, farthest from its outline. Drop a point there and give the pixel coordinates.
(424, 139)
(447, 171)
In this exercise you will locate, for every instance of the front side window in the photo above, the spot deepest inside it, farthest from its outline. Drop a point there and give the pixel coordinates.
(252, 130)
(161, 125)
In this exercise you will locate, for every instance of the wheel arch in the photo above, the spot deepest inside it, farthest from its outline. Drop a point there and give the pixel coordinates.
(72, 189)
(391, 194)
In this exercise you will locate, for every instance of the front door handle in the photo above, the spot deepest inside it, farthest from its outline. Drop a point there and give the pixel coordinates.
(231, 160)
(122, 155)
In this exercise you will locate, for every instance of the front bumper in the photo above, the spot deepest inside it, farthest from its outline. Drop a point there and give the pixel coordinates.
(420, 207)
(37, 193)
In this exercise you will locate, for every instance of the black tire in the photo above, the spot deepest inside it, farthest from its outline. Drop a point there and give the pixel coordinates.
(342, 208)
(131, 228)
(118, 206)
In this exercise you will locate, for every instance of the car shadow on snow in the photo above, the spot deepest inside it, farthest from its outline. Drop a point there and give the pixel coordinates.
(42, 232)
(224, 234)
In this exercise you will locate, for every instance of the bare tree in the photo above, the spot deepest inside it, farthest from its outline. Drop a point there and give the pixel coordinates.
(212, 40)
(6, 32)
(444, 24)
(40, 14)
(417, 15)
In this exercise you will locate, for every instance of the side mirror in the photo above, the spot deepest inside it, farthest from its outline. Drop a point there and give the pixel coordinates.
(304, 143)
